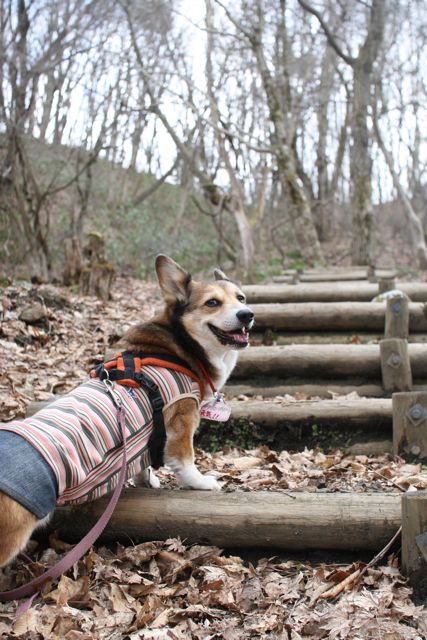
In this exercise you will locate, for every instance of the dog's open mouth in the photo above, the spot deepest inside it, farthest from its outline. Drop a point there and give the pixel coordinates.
(237, 338)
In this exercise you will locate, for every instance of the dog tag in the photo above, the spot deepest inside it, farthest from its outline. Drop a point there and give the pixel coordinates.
(215, 409)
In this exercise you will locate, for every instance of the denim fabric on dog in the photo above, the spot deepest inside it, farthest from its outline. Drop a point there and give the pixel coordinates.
(25, 475)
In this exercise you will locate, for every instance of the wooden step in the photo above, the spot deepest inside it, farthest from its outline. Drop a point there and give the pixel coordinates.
(328, 292)
(357, 412)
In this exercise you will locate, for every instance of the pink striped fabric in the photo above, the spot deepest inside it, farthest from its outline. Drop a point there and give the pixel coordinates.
(80, 439)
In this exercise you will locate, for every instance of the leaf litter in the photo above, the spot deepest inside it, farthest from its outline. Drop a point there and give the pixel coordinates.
(169, 589)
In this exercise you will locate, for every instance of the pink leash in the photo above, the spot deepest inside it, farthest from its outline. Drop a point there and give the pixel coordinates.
(32, 588)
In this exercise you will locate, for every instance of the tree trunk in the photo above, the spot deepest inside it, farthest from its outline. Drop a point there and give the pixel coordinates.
(360, 158)
(361, 170)
(300, 212)
(323, 203)
(414, 224)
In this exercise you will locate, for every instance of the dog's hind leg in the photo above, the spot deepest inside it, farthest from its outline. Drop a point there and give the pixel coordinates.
(16, 527)
(181, 420)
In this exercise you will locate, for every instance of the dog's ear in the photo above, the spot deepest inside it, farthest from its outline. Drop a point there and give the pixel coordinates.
(220, 275)
(174, 280)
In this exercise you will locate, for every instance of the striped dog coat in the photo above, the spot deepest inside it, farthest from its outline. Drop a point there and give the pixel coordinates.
(72, 450)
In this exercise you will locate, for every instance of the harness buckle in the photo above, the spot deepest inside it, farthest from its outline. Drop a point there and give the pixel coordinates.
(157, 403)
(109, 385)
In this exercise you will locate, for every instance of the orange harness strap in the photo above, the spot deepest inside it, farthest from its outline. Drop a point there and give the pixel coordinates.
(125, 374)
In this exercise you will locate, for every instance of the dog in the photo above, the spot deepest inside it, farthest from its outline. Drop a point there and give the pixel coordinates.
(71, 451)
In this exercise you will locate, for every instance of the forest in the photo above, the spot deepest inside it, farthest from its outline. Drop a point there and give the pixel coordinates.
(248, 134)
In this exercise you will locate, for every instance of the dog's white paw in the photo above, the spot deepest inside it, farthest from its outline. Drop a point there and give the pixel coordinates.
(190, 477)
(147, 478)
(208, 483)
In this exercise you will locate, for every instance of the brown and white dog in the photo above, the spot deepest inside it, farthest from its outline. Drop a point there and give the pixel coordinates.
(204, 324)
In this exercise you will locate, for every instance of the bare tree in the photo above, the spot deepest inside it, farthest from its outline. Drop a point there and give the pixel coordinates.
(287, 170)
(362, 67)
(28, 60)
(414, 223)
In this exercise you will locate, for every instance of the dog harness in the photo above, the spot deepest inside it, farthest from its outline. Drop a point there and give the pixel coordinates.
(127, 368)
(78, 435)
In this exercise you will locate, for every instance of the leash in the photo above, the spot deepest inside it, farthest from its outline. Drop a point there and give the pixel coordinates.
(33, 587)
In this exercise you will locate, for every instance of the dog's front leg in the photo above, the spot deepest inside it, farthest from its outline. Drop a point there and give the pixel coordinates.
(181, 420)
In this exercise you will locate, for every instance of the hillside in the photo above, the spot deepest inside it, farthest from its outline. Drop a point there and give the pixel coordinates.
(169, 221)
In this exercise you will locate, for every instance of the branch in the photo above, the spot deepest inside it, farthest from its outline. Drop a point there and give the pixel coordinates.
(328, 33)
(144, 195)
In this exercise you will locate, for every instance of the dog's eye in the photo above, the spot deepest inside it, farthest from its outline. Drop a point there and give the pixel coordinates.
(241, 298)
(213, 302)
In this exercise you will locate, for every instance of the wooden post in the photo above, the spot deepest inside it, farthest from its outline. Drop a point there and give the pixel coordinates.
(97, 273)
(410, 423)
(370, 274)
(414, 539)
(386, 284)
(397, 318)
(395, 365)
(73, 261)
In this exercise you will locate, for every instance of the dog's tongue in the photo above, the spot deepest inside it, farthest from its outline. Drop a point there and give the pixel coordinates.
(239, 336)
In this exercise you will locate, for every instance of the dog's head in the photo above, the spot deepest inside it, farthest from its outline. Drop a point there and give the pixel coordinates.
(213, 314)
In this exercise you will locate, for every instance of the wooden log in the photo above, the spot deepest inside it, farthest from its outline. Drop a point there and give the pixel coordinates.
(360, 411)
(304, 388)
(348, 413)
(340, 276)
(286, 279)
(339, 273)
(327, 292)
(280, 338)
(243, 520)
(410, 424)
(334, 316)
(397, 317)
(373, 448)
(307, 388)
(330, 277)
(322, 361)
(395, 365)
(414, 540)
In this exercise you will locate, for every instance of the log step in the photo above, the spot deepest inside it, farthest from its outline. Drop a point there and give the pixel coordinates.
(336, 275)
(332, 316)
(320, 361)
(358, 412)
(314, 389)
(244, 520)
(328, 292)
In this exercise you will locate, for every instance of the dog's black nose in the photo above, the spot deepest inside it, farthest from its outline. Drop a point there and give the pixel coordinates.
(245, 316)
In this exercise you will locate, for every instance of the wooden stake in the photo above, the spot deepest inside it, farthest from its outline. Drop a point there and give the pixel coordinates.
(395, 365)
(414, 539)
(397, 318)
(410, 424)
